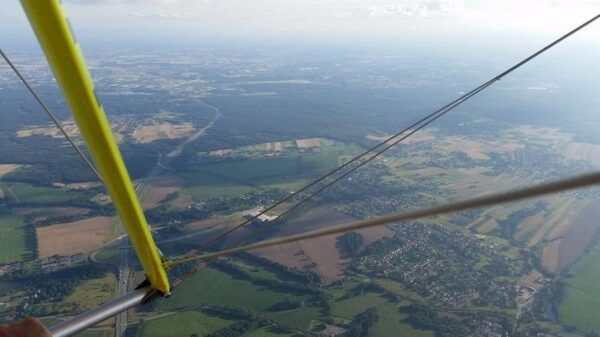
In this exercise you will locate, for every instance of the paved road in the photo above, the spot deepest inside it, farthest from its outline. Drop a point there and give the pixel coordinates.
(177, 151)
(124, 268)
(122, 285)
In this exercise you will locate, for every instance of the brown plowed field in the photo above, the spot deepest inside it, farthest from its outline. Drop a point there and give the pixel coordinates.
(149, 133)
(561, 253)
(158, 188)
(322, 251)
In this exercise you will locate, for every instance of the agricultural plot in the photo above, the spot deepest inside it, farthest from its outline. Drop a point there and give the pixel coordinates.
(570, 239)
(581, 303)
(289, 172)
(12, 237)
(184, 323)
(219, 288)
(8, 168)
(266, 332)
(272, 147)
(88, 294)
(289, 255)
(158, 189)
(390, 322)
(74, 237)
(148, 133)
(70, 127)
(25, 193)
(49, 130)
(321, 254)
(213, 287)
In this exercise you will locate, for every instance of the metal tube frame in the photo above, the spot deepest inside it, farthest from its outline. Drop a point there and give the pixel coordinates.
(102, 312)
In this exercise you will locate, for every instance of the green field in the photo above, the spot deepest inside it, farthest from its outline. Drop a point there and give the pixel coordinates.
(12, 237)
(98, 332)
(265, 332)
(300, 318)
(230, 178)
(183, 324)
(25, 193)
(212, 287)
(581, 304)
(390, 319)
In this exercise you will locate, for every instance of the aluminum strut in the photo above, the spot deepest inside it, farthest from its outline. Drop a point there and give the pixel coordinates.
(102, 312)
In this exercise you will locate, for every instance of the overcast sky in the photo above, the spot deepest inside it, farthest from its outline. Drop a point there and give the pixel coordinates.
(323, 18)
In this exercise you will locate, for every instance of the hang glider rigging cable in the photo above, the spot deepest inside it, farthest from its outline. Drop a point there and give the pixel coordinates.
(52, 116)
(394, 139)
(580, 181)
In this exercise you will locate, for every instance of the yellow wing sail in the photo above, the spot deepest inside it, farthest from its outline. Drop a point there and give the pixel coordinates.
(54, 34)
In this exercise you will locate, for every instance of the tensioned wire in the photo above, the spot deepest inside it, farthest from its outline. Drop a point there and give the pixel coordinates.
(52, 116)
(584, 180)
(392, 140)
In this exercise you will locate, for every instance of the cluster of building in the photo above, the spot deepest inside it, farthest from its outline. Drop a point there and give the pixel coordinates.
(445, 267)
(256, 213)
(46, 265)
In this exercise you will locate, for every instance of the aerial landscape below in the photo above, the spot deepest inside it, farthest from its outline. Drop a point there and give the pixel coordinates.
(215, 132)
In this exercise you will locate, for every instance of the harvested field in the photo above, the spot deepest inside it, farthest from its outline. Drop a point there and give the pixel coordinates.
(272, 147)
(328, 259)
(149, 133)
(308, 143)
(572, 236)
(69, 126)
(532, 280)
(550, 256)
(567, 220)
(220, 153)
(8, 168)
(82, 186)
(289, 255)
(201, 225)
(74, 237)
(421, 136)
(554, 219)
(158, 188)
(475, 149)
(579, 235)
(183, 200)
(49, 130)
(583, 151)
(487, 226)
(321, 251)
(371, 235)
(541, 135)
(529, 225)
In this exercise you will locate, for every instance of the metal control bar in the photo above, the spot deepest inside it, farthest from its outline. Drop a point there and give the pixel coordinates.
(102, 312)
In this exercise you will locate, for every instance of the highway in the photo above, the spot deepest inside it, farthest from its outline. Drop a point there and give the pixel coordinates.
(122, 284)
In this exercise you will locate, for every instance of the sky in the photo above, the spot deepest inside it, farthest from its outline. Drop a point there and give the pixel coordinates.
(356, 19)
